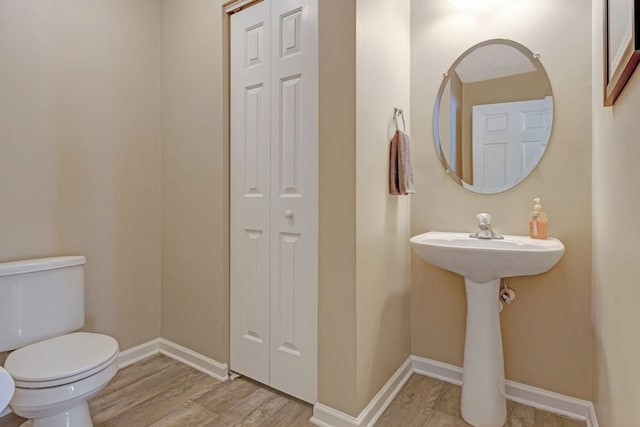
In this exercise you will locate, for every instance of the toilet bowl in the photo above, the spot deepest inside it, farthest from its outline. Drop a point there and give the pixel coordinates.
(55, 370)
(7, 388)
(55, 378)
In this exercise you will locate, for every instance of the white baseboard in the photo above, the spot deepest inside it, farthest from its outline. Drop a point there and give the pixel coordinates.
(548, 401)
(204, 364)
(138, 353)
(324, 416)
(438, 370)
(531, 396)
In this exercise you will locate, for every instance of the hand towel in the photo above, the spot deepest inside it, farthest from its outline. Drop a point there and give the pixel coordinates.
(400, 169)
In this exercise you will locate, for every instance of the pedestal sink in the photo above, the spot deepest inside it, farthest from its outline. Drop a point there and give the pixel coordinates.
(483, 262)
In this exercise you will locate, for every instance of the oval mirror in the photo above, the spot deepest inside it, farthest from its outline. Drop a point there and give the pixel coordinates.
(493, 116)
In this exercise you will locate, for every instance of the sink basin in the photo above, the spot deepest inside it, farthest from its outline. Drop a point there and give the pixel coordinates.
(483, 260)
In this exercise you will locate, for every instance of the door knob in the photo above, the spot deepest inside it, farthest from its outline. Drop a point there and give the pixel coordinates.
(288, 213)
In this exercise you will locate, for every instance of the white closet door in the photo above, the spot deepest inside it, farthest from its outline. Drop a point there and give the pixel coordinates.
(294, 200)
(250, 191)
(274, 195)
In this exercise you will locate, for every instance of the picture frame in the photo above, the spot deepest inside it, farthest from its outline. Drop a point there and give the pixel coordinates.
(621, 45)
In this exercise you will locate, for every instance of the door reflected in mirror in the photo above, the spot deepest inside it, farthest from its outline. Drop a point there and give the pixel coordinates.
(493, 116)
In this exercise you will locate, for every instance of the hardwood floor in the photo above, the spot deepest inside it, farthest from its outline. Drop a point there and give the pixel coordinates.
(162, 392)
(426, 402)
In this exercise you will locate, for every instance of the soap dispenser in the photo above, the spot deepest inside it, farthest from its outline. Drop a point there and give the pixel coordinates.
(538, 222)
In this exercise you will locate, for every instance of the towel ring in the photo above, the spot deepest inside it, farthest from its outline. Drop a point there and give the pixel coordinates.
(398, 112)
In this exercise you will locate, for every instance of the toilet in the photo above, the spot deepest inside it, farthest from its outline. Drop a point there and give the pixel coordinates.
(55, 369)
(7, 387)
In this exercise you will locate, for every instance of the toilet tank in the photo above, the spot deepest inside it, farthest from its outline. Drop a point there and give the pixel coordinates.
(40, 299)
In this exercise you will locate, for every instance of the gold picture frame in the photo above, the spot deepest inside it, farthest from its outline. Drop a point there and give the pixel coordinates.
(621, 45)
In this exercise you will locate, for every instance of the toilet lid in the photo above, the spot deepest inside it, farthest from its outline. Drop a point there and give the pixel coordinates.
(62, 357)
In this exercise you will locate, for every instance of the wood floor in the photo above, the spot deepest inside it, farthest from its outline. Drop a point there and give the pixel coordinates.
(162, 392)
(426, 402)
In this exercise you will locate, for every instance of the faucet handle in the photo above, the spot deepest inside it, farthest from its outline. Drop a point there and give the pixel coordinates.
(484, 218)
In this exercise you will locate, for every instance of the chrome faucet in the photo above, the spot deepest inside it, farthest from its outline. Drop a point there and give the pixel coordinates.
(484, 228)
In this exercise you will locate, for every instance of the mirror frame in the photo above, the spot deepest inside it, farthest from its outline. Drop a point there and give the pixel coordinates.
(535, 60)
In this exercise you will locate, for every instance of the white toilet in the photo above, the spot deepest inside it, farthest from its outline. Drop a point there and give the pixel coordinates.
(55, 371)
(7, 387)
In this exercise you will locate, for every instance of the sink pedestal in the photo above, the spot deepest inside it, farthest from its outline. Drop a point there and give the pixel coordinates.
(483, 388)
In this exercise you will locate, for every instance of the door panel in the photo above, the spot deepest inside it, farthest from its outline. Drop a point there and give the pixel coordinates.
(508, 141)
(294, 203)
(250, 192)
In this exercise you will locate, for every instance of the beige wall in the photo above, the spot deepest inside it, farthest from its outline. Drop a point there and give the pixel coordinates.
(80, 150)
(363, 255)
(337, 206)
(546, 332)
(616, 202)
(81, 125)
(382, 220)
(195, 284)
